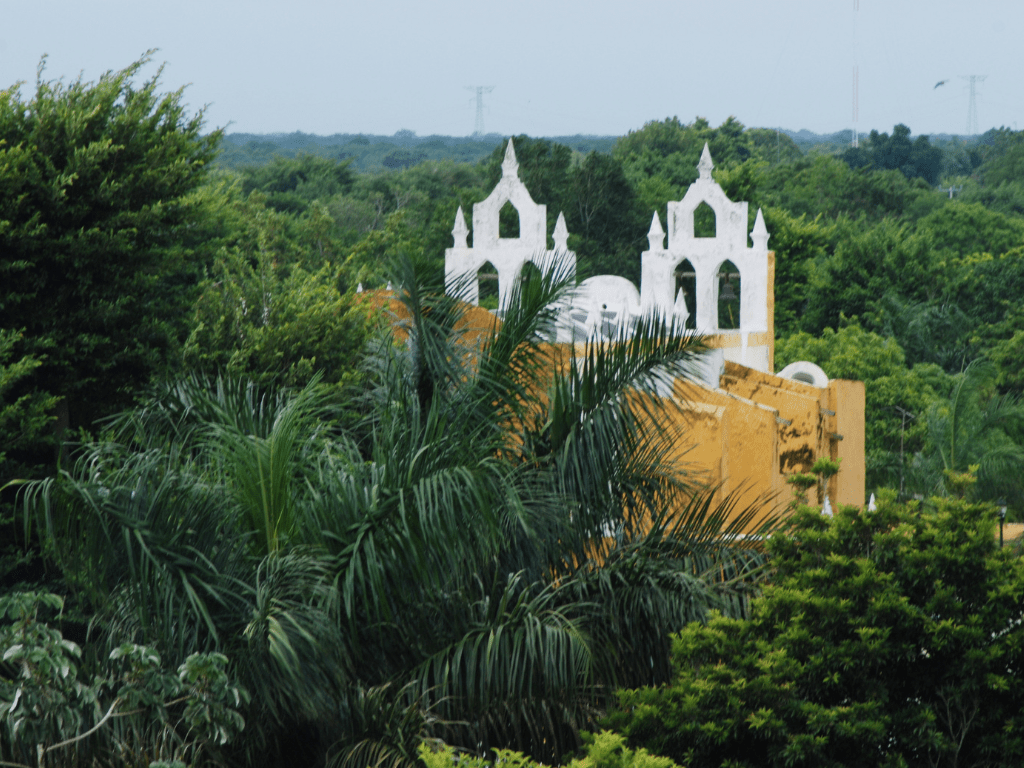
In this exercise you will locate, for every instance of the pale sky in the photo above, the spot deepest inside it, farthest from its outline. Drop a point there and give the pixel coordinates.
(557, 67)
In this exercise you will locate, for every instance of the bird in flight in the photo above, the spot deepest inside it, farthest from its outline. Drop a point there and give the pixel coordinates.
(941, 82)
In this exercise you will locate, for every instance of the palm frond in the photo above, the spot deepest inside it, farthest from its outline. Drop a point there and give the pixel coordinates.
(516, 647)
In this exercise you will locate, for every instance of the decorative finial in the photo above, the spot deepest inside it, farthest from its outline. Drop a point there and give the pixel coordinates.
(561, 233)
(705, 165)
(826, 509)
(656, 235)
(460, 231)
(760, 233)
(509, 166)
(872, 506)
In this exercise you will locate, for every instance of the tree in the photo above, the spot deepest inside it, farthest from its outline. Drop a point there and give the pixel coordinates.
(917, 158)
(291, 184)
(825, 185)
(959, 230)
(865, 266)
(798, 243)
(24, 419)
(270, 306)
(772, 145)
(605, 217)
(888, 637)
(896, 395)
(95, 211)
(670, 149)
(45, 707)
(974, 431)
(26, 422)
(483, 559)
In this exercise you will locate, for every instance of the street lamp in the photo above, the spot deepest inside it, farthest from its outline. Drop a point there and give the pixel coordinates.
(1002, 517)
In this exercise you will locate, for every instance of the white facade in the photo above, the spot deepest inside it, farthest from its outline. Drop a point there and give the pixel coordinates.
(603, 304)
(507, 255)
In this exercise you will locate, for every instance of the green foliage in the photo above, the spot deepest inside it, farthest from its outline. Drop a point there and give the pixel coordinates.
(42, 700)
(798, 243)
(821, 185)
(46, 705)
(959, 230)
(886, 638)
(368, 154)
(896, 397)
(25, 416)
(368, 263)
(291, 184)
(601, 750)
(772, 146)
(263, 314)
(917, 158)
(975, 427)
(1004, 157)
(670, 149)
(95, 204)
(863, 267)
(605, 216)
(424, 567)
(825, 468)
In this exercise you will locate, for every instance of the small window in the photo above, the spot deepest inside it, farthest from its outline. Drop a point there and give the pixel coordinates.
(508, 222)
(728, 296)
(684, 295)
(704, 222)
(487, 279)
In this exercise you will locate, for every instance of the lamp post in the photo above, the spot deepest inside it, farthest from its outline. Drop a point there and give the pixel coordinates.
(1002, 518)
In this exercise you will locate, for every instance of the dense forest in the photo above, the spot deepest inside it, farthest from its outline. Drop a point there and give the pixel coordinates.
(897, 261)
(248, 519)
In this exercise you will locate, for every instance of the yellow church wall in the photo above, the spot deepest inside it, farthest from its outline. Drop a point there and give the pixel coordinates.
(699, 449)
(847, 401)
(814, 422)
(739, 452)
(750, 433)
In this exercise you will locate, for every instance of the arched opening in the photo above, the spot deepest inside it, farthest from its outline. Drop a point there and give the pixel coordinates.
(487, 280)
(705, 223)
(728, 296)
(508, 222)
(685, 293)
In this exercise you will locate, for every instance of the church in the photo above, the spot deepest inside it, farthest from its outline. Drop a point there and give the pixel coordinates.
(748, 427)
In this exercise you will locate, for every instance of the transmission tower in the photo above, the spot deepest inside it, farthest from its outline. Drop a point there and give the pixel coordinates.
(478, 130)
(856, 105)
(856, 77)
(972, 104)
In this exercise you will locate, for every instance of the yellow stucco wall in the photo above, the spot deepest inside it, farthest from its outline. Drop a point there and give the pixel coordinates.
(813, 422)
(755, 429)
(847, 400)
(731, 440)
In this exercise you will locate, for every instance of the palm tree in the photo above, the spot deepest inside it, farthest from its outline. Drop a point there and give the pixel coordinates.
(503, 542)
(977, 430)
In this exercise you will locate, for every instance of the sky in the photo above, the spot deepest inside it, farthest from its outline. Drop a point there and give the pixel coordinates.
(555, 67)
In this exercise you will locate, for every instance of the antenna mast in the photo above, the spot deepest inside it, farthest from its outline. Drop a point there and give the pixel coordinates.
(856, 76)
(972, 104)
(478, 129)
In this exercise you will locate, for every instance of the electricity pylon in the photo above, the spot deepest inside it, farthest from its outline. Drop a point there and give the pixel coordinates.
(478, 130)
(972, 105)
